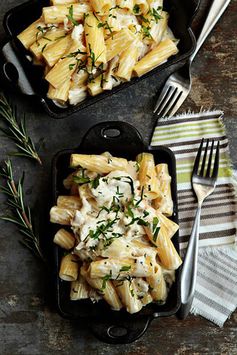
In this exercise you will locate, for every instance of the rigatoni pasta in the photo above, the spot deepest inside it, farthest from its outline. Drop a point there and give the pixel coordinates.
(120, 39)
(120, 245)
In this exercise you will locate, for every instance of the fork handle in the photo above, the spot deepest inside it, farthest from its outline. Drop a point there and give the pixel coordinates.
(189, 270)
(217, 9)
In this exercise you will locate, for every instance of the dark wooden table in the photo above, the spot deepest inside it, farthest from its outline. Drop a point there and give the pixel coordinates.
(29, 323)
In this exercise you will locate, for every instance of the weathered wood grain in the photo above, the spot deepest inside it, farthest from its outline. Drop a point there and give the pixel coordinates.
(29, 323)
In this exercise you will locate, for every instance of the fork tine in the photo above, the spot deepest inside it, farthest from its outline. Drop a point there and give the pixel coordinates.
(177, 104)
(197, 159)
(204, 159)
(216, 162)
(166, 100)
(161, 97)
(208, 172)
(171, 102)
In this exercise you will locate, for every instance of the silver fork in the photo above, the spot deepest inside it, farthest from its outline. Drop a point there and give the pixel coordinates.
(204, 179)
(178, 85)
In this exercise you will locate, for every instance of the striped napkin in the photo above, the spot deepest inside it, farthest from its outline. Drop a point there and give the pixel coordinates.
(216, 291)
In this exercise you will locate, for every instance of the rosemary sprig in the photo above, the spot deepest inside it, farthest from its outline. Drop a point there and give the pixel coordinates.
(16, 131)
(21, 214)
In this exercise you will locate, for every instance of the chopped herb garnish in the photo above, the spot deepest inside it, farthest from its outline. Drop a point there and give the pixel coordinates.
(125, 268)
(156, 14)
(120, 194)
(144, 19)
(80, 180)
(155, 228)
(136, 9)
(70, 16)
(145, 213)
(154, 223)
(128, 181)
(95, 183)
(85, 16)
(141, 222)
(103, 208)
(102, 229)
(43, 48)
(106, 26)
(146, 31)
(74, 54)
(71, 66)
(60, 37)
(105, 279)
(47, 39)
(141, 198)
(115, 7)
(137, 166)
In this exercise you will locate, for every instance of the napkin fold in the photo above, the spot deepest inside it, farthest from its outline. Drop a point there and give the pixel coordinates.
(216, 292)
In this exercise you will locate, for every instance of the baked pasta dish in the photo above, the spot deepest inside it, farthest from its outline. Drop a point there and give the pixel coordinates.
(116, 230)
(88, 47)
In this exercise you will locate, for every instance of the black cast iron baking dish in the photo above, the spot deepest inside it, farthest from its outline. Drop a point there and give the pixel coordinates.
(18, 71)
(122, 140)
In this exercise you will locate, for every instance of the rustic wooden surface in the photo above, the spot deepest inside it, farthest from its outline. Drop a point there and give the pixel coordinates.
(29, 323)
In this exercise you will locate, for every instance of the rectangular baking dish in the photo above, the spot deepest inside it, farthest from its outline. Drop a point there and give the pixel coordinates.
(121, 140)
(19, 72)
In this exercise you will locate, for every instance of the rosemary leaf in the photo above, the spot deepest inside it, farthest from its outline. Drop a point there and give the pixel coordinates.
(16, 131)
(21, 214)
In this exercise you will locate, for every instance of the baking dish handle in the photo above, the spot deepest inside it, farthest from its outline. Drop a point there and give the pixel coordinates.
(122, 331)
(12, 71)
(113, 136)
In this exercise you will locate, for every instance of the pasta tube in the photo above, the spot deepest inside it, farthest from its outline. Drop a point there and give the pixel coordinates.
(127, 60)
(59, 13)
(69, 268)
(166, 225)
(142, 290)
(79, 289)
(158, 55)
(32, 33)
(113, 22)
(101, 6)
(46, 41)
(155, 3)
(157, 285)
(56, 50)
(140, 7)
(105, 287)
(98, 163)
(127, 294)
(71, 202)
(125, 4)
(95, 87)
(159, 27)
(95, 43)
(61, 93)
(110, 78)
(63, 2)
(65, 67)
(164, 202)
(119, 268)
(147, 175)
(61, 215)
(118, 43)
(64, 239)
(166, 251)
